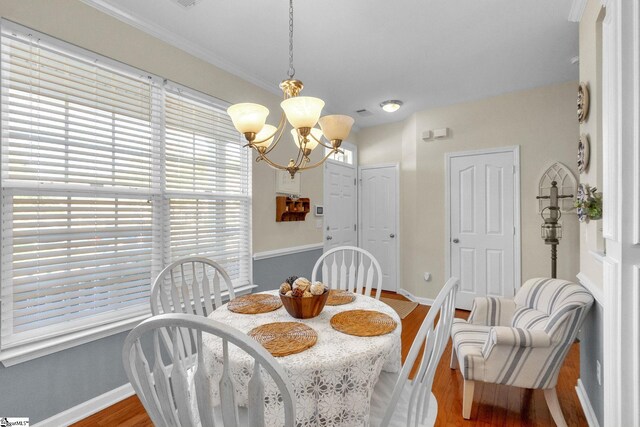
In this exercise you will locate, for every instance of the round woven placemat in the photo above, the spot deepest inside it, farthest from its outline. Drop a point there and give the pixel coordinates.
(254, 304)
(284, 338)
(363, 323)
(339, 297)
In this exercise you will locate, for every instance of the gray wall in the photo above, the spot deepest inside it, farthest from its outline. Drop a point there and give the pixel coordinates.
(269, 273)
(43, 387)
(46, 386)
(590, 353)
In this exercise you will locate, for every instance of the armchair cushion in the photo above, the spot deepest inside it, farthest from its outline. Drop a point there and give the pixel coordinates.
(468, 341)
(492, 311)
(529, 318)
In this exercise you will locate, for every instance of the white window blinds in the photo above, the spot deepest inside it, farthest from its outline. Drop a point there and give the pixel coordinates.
(71, 121)
(207, 171)
(107, 175)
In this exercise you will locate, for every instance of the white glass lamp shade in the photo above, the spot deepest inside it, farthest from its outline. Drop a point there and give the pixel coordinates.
(336, 126)
(264, 138)
(248, 117)
(302, 111)
(311, 143)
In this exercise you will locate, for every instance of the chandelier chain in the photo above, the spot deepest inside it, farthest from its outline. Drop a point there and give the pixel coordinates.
(292, 71)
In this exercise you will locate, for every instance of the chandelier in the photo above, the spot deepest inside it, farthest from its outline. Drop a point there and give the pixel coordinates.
(302, 113)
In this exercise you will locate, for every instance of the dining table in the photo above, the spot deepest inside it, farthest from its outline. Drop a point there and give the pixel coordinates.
(333, 380)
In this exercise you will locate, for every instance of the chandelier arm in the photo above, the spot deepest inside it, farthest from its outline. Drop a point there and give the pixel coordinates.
(301, 155)
(319, 141)
(281, 128)
(269, 137)
(271, 163)
(319, 162)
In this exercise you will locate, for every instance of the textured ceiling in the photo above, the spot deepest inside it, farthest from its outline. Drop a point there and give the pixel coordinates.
(357, 53)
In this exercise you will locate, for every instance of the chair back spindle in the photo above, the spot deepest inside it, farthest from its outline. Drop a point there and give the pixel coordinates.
(432, 336)
(351, 269)
(191, 285)
(177, 392)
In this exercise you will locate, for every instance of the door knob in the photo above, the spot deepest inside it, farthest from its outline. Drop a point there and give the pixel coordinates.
(392, 235)
(455, 240)
(329, 237)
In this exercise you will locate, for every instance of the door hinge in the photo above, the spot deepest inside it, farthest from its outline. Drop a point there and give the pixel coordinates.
(354, 181)
(355, 227)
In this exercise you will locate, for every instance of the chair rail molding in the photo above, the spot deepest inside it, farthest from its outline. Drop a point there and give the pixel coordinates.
(286, 251)
(621, 221)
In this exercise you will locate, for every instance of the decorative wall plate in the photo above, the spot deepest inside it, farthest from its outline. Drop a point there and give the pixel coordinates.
(583, 102)
(583, 153)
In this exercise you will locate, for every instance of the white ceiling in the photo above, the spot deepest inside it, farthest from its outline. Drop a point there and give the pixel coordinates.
(357, 53)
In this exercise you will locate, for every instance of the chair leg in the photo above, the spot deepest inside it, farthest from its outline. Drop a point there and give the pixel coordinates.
(454, 358)
(551, 396)
(467, 398)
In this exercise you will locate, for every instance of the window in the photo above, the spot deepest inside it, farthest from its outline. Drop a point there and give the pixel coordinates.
(207, 194)
(345, 157)
(107, 175)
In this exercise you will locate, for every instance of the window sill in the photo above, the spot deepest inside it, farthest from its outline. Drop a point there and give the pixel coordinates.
(24, 353)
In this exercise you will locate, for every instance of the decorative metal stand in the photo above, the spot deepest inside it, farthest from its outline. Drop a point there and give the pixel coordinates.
(551, 230)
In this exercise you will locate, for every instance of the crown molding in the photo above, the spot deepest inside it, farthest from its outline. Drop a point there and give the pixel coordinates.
(577, 9)
(179, 42)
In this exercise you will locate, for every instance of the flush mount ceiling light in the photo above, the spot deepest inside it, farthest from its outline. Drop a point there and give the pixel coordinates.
(391, 105)
(302, 113)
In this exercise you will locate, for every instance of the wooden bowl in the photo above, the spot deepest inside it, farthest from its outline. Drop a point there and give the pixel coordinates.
(305, 308)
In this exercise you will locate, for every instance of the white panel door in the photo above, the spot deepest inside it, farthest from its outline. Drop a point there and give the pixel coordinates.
(340, 205)
(378, 219)
(482, 224)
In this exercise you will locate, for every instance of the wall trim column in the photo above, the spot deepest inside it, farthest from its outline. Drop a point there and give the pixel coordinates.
(621, 220)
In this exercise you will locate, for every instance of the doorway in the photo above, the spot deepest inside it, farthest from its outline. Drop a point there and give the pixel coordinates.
(379, 212)
(483, 222)
(341, 199)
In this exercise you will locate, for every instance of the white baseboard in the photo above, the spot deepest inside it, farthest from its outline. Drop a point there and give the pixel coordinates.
(419, 300)
(88, 408)
(589, 413)
(286, 251)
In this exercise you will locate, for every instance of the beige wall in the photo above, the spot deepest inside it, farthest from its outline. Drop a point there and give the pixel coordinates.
(591, 241)
(82, 25)
(541, 121)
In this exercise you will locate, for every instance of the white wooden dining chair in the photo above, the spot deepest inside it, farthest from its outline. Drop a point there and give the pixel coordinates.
(398, 401)
(173, 384)
(190, 285)
(349, 268)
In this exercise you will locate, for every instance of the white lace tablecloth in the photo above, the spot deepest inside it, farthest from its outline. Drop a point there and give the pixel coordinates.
(333, 380)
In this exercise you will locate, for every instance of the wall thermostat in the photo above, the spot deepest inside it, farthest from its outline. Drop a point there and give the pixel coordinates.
(319, 210)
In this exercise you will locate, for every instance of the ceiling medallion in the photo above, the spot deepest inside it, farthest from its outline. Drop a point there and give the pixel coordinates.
(302, 113)
(583, 102)
(583, 153)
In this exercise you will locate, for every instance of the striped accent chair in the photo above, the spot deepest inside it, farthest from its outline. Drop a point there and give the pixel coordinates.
(520, 342)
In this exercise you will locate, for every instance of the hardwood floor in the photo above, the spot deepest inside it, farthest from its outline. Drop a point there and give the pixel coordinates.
(493, 405)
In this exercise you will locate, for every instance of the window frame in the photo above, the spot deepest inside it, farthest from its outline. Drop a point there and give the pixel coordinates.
(111, 323)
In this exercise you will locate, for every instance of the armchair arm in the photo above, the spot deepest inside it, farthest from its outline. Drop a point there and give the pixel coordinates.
(503, 336)
(492, 311)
